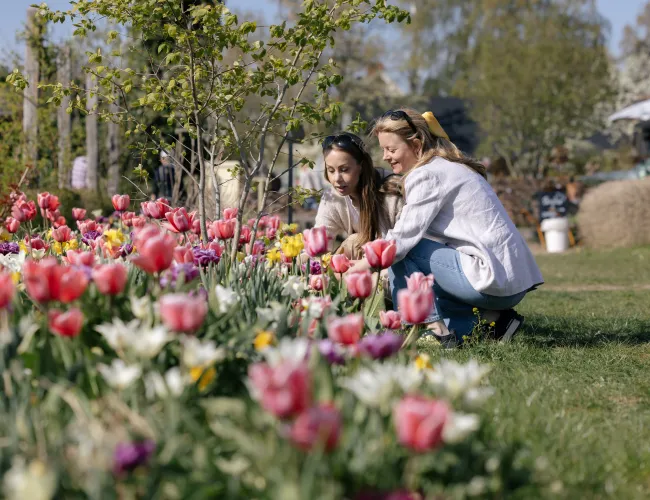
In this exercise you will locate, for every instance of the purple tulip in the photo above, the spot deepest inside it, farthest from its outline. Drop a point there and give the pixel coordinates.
(9, 247)
(205, 257)
(129, 456)
(381, 346)
(332, 352)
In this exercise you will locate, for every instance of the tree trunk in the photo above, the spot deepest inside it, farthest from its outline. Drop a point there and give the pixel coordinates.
(30, 101)
(92, 146)
(113, 147)
(64, 119)
(178, 171)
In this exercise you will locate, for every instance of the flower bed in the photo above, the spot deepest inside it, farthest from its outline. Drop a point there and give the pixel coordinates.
(139, 361)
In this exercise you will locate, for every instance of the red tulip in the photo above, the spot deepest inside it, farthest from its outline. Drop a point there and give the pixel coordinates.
(78, 214)
(47, 201)
(419, 422)
(80, 258)
(58, 222)
(380, 253)
(318, 426)
(66, 324)
(415, 306)
(7, 290)
(315, 241)
(182, 313)
(12, 224)
(23, 210)
(244, 235)
(340, 263)
(121, 202)
(283, 390)
(196, 226)
(346, 330)
(62, 233)
(230, 213)
(318, 281)
(270, 232)
(155, 249)
(223, 229)
(47, 280)
(110, 279)
(359, 284)
(390, 320)
(179, 221)
(183, 255)
(273, 221)
(36, 243)
(418, 281)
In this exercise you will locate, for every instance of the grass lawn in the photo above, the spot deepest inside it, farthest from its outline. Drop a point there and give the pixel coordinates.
(574, 386)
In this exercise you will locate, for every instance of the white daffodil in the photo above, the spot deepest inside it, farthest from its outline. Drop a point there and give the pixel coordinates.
(476, 397)
(13, 262)
(226, 298)
(201, 354)
(379, 385)
(27, 327)
(119, 375)
(270, 315)
(118, 334)
(288, 350)
(294, 287)
(451, 379)
(141, 307)
(147, 342)
(459, 426)
(35, 481)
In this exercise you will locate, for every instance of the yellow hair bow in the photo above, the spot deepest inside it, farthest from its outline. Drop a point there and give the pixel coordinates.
(434, 126)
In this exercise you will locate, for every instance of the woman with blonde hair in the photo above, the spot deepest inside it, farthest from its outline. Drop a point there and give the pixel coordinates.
(454, 227)
(363, 202)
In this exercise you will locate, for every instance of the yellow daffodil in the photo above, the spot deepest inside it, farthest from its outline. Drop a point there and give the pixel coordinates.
(292, 245)
(23, 246)
(61, 248)
(493, 324)
(4, 234)
(423, 362)
(263, 340)
(15, 277)
(241, 256)
(273, 256)
(204, 376)
(326, 259)
(57, 248)
(114, 238)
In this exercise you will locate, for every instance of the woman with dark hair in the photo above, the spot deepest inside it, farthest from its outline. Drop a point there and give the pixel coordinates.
(363, 202)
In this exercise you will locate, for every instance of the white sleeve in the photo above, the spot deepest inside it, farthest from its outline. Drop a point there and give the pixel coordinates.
(423, 200)
(329, 217)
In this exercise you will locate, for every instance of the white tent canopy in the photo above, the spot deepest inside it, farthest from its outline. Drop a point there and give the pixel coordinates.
(639, 111)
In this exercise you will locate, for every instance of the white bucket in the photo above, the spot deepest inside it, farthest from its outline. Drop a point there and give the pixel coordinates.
(556, 234)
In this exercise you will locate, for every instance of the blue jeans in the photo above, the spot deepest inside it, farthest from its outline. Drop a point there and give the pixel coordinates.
(455, 298)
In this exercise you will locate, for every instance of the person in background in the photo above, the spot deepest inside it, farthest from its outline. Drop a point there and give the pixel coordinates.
(311, 179)
(164, 177)
(78, 173)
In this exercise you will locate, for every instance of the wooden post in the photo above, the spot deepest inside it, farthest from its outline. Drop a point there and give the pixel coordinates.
(113, 146)
(30, 100)
(63, 118)
(92, 146)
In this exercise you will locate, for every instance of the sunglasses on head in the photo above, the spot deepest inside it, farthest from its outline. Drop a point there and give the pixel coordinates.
(344, 141)
(398, 114)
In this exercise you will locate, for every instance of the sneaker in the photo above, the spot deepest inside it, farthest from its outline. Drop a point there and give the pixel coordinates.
(507, 325)
(448, 341)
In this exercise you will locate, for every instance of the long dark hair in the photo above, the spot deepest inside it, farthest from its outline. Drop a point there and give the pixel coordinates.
(371, 188)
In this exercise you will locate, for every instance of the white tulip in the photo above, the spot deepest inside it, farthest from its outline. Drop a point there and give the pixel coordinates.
(119, 375)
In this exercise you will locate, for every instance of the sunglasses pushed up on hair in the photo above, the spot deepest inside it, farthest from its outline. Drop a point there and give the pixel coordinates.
(398, 114)
(346, 142)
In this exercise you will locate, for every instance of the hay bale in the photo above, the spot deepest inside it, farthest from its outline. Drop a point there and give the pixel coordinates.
(616, 214)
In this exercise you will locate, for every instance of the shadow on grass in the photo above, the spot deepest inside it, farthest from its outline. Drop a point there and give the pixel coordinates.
(545, 331)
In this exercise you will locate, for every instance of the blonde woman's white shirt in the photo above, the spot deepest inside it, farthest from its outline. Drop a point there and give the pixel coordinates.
(452, 204)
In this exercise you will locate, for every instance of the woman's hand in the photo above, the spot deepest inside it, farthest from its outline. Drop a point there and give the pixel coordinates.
(359, 265)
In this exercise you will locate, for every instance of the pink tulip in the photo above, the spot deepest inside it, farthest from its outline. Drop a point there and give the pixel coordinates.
(380, 253)
(46, 281)
(78, 214)
(230, 213)
(156, 209)
(121, 202)
(245, 235)
(415, 306)
(110, 279)
(138, 221)
(419, 422)
(359, 284)
(61, 234)
(88, 225)
(346, 330)
(47, 201)
(183, 255)
(80, 258)
(155, 249)
(223, 229)
(127, 218)
(273, 221)
(418, 281)
(318, 281)
(214, 245)
(390, 320)
(315, 241)
(179, 221)
(258, 248)
(182, 313)
(36, 243)
(318, 426)
(340, 263)
(66, 324)
(12, 224)
(7, 290)
(196, 226)
(270, 232)
(283, 390)
(23, 210)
